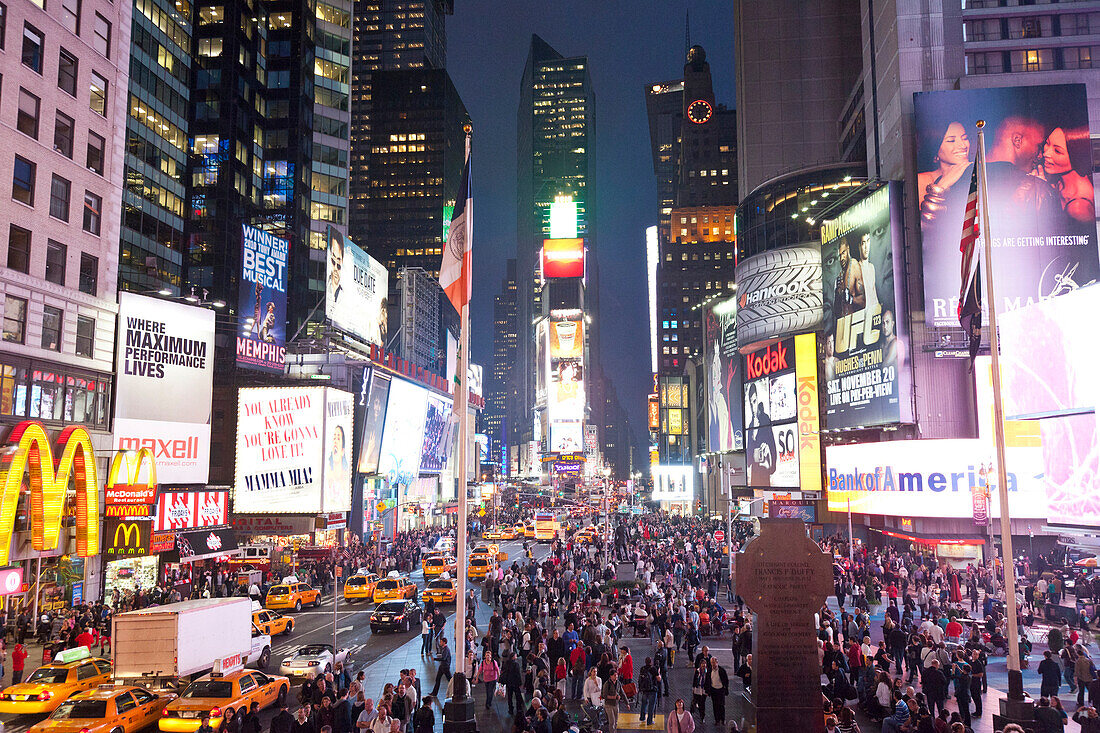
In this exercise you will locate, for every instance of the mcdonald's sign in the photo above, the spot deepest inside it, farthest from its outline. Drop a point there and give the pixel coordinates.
(29, 453)
(124, 537)
(132, 492)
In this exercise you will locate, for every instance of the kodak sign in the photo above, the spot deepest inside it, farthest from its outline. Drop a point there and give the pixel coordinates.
(49, 472)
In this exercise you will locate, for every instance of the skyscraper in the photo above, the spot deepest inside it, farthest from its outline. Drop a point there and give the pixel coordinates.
(389, 35)
(696, 242)
(154, 207)
(797, 65)
(501, 393)
(65, 81)
(556, 120)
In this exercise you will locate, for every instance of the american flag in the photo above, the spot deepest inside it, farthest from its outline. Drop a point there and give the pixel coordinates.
(346, 554)
(970, 292)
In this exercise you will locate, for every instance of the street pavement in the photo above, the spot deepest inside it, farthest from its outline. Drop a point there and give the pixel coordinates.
(382, 656)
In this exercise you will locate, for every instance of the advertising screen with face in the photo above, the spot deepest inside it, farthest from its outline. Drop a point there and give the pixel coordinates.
(261, 301)
(723, 368)
(374, 420)
(566, 437)
(867, 376)
(567, 398)
(356, 289)
(339, 412)
(771, 409)
(1042, 207)
(403, 436)
(437, 433)
(293, 450)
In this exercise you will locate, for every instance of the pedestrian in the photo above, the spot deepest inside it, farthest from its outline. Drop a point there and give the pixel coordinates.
(1047, 719)
(282, 721)
(425, 635)
(489, 673)
(679, 720)
(698, 692)
(512, 679)
(717, 686)
(18, 660)
(610, 695)
(648, 684)
(444, 672)
(424, 720)
(302, 723)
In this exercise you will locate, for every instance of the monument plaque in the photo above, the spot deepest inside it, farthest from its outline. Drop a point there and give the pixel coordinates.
(784, 578)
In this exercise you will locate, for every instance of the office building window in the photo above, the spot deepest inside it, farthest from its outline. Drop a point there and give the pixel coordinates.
(19, 249)
(93, 208)
(101, 39)
(89, 274)
(56, 256)
(15, 319)
(96, 147)
(59, 199)
(70, 15)
(3, 23)
(85, 336)
(98, 101)
(66, 72)
(22, 183)
(51, 328)
(27, 119)
(63, 131)
(33, 45)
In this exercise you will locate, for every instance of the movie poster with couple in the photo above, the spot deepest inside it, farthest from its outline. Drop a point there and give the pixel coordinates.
(1042, 207)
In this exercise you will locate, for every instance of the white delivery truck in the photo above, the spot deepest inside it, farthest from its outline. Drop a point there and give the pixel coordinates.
(176, 641)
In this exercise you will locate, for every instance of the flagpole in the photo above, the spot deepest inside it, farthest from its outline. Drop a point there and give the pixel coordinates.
(1015, 677)
(461, 400)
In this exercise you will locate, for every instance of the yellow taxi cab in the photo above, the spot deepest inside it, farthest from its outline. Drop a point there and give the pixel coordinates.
(529, 529)
(394, 588)
(220, 695)
(71, 671)
(360, 587)
(479, 567)
(437, 565)
(493, 534)
(292, 595)
(107, 709)
(587, 535)
(440, 591)
(271, 622)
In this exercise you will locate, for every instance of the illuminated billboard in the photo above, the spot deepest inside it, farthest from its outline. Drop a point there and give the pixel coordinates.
(356, 290)
(374, 419)
(782, 422)
(564, 216)
(542, 359)
(672, 483)
(567, 339)
(778, 295)
(1042, 207)
(293, 450)
(261, 304)
(403, 436)
(437, 433)
(723, 370)
(165, 358)
(867, 374)
(562, 258)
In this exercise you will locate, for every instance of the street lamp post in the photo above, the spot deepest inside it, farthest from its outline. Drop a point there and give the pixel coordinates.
(607, 514)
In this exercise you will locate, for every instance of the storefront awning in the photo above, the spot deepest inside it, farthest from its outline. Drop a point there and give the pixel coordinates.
(931, 539)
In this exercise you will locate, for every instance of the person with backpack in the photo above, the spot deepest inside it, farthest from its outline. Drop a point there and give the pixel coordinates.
(660, 663)
(648, 686)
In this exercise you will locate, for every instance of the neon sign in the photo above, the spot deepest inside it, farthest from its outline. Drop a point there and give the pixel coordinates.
(30, 452)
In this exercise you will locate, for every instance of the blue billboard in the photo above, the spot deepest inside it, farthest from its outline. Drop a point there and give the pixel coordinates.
(261, 307)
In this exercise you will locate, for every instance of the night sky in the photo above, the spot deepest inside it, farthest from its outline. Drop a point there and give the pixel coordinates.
(629, 45)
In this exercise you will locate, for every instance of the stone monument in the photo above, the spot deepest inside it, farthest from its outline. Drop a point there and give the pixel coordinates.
(784, 578)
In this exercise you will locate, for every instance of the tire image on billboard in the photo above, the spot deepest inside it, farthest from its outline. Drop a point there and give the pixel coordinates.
(779, 293)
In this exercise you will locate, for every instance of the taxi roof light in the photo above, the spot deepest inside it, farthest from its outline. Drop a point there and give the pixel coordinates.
(73, 655)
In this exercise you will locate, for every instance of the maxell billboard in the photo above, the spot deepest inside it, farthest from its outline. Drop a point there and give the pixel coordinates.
(866, 330)
(165, 363)
(778, 295)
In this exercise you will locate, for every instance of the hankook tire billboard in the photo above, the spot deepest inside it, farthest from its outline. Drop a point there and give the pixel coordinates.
(778, 294)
